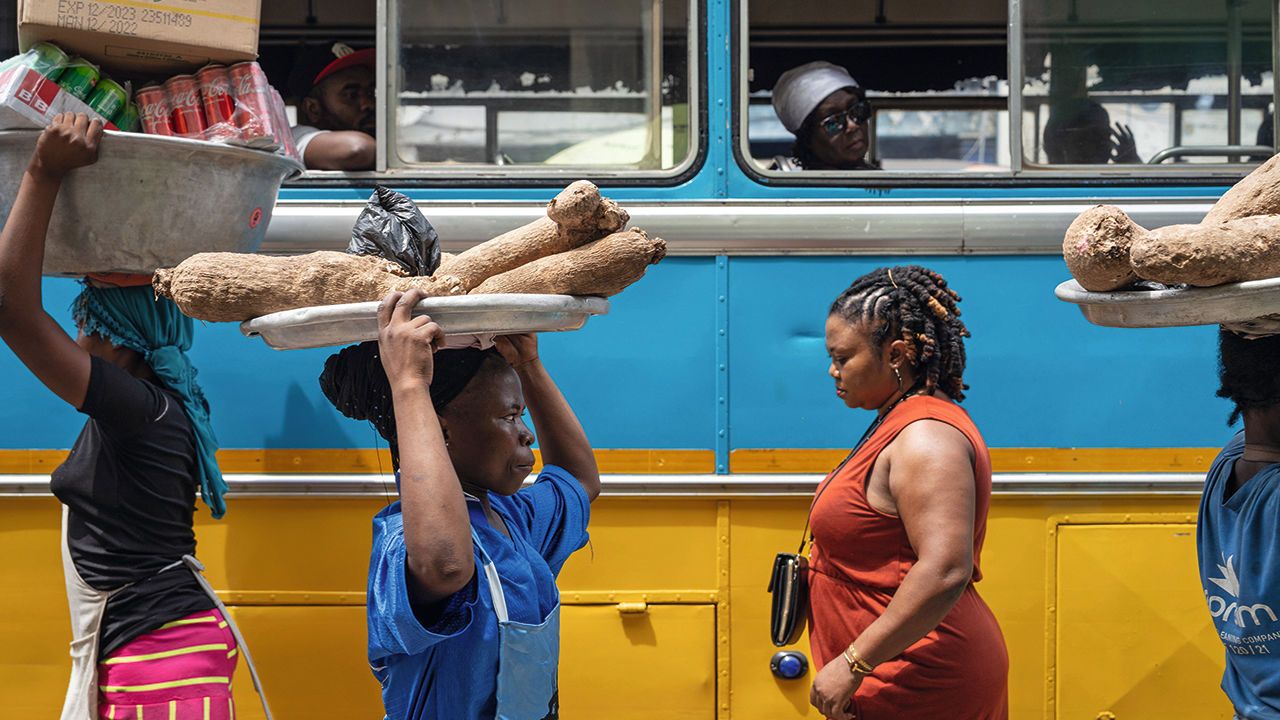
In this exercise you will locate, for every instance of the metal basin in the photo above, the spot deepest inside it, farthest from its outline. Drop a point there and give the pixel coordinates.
(462, 317)
(1222, 305)
(151, 201)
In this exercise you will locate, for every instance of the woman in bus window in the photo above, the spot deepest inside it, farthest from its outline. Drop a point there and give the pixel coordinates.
(463, 609)
(147, 637)
(828, 113)
(897, 627)
(1238, 529)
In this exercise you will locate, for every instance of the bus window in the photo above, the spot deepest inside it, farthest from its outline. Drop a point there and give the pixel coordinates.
(931, 78)
(543, 84)
(1150, 81)
(298, 41)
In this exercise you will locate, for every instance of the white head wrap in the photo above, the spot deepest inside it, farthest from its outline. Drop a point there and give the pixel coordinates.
(801, 89)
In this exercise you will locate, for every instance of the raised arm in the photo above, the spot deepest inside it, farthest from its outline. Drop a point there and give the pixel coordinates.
(71, 141)
(437, 530)
(561, 438)
(932, 483)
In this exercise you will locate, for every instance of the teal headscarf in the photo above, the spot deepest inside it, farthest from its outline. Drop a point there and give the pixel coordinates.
(133, 317)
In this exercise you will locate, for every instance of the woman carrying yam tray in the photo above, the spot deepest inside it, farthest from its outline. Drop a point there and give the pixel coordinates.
(148, 636)
(1238, 527)
(463, 609)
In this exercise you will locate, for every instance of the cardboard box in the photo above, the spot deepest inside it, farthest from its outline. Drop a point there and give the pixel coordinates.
(30, 100)
(161, 37)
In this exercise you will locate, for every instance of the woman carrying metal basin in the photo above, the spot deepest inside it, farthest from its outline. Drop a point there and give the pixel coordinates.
(148, 636)
(463, 609)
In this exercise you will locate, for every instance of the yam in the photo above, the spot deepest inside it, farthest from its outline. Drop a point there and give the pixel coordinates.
(575, 217)
(1257, 194)
(604, 267)
(1096, 248)
(232, 287)
(1205, 255)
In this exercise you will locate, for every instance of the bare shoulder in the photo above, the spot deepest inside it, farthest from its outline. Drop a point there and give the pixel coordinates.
(930, 441)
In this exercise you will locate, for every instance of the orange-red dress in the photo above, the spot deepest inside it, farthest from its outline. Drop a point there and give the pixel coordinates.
(959, 670)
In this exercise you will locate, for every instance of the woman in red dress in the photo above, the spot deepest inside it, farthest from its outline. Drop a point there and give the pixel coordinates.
(897, 626)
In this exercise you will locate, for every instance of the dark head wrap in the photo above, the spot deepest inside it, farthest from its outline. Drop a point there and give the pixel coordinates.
(356, 383)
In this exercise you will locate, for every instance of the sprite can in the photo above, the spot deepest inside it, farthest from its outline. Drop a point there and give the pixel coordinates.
(79, 78)
(108, 98)
(127, 118)
(46, 59)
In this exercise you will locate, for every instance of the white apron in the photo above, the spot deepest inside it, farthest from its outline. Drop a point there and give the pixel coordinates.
(88, 605)
(528, 656)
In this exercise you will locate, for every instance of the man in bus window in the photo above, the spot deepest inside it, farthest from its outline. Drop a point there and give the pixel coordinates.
(829, 114)
(336, 111)
(1079, 132)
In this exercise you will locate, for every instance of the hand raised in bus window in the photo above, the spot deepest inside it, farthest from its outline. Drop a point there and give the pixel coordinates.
(1124, 149)
(1079, 132)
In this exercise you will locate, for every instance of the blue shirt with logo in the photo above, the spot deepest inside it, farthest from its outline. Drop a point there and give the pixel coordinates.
(449, 668)
(1238, 540)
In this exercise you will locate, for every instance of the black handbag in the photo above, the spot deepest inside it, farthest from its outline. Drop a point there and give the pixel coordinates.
(789, 585)
(789, 581)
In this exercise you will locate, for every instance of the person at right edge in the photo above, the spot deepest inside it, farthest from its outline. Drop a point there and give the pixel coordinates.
(463, 609)
(1238, 529)
(896, 626)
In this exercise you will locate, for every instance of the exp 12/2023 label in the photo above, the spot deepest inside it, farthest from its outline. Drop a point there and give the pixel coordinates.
(117, 19)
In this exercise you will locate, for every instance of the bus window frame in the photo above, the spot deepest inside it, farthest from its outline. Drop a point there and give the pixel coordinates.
(1021, 173)
(487, 175)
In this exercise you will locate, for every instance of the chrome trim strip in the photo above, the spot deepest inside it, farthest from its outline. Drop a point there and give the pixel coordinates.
(743, 227)
(1016, 69)
(382, 486)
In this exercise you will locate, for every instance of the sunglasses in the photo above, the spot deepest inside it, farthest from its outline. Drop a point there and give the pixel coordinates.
(859, 112)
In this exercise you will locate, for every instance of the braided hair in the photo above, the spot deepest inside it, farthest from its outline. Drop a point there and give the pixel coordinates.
(1249, 372)
(912, 304)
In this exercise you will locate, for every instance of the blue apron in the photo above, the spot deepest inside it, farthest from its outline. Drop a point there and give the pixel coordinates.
(528, 656)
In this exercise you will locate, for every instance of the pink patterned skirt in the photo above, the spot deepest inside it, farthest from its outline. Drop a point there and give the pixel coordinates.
(181, 671)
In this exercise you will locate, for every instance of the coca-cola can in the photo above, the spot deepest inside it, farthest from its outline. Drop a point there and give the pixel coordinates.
(215, 95)
(154, 110)
(253, 102)
(184, 97)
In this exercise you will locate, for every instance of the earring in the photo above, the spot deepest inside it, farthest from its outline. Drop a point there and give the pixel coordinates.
(898, 374)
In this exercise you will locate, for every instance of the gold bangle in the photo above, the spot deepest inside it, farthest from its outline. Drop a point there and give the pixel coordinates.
(857, 665)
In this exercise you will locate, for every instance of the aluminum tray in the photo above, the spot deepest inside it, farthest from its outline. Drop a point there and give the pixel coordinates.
(1237, 303)
(151, 201)
(465, 315)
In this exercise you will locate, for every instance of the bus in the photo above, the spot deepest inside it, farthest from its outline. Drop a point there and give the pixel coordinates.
(704, 389)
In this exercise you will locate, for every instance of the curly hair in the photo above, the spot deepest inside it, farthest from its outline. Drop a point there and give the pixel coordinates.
(1248, 372)
(912, 304)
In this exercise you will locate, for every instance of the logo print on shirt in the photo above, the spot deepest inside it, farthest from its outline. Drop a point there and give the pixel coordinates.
(1229, 580)
(1235, 611)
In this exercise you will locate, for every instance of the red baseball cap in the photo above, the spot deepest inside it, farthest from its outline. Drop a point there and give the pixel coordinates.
(358, 58)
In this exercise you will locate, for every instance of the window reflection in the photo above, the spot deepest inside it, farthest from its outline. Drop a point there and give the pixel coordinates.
(1148, 81)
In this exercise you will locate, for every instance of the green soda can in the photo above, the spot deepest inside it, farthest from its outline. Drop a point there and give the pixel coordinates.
(79, 78)
(46, 59)
(108, 98)
(127, 119)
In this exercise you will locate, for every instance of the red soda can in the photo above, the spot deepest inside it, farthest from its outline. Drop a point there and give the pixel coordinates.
(184, 98)
(253, 102)
(216, 100)
(154, 110)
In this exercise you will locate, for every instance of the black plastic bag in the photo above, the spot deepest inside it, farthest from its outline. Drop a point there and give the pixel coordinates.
(392, 227)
